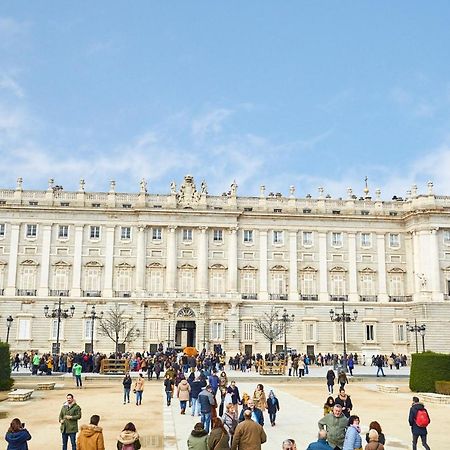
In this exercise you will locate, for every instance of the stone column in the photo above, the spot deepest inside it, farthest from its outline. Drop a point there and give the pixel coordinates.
(352, 271)
(263, 273)
(109, 262)
(232, 260)
(293, 269)
(323, 267)
(141, 258)
(171, 259)
(45, 260)
(381, 257)
(12, 261)
(202, 269)
(417, 266)
(435, 273)
(78, 249)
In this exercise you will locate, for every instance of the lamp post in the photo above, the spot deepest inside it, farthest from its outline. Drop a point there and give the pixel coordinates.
(58, 313)
(93, 315)
(343, 317)
(286, 319)
(417, 329)
(9, 321)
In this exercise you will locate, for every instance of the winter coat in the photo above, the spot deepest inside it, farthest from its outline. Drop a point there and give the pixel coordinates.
(139, 384)
(352, 438)
(419, 431)
(18, 440)
(330, 377)
(235, 397)
(70, 425)
(128, 437)
(127, 381)
(90, 438)
(198, 440)
(196, 388)
(272, 405)
(259, 398)
(335, 427)
(374, 445)
(381, 438)
(206, 400)
(346, 403)
(320, 444)
(249, 435)
(183, 391)
(218, 440)
(258, 413)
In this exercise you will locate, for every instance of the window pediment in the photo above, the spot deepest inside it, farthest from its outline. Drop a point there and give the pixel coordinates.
(218, 267)
(3, 263)
(155, 265)
(279, 268)
(93, 264)
(62, 263)
(308, 269)
(187, 267)
(396, 270)
(248, 267)
(29, 262)
(338, 269)
(124, 265)
(367, 270)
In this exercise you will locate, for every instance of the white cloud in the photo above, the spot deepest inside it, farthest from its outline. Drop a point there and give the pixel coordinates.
(8, 83)
(210, 123)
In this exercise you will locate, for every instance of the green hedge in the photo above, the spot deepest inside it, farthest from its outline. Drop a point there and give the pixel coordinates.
(6, 381)
(443, 387)
(426, 369)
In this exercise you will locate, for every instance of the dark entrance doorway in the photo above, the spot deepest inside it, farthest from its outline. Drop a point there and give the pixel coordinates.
(310, 350)
(185, 334)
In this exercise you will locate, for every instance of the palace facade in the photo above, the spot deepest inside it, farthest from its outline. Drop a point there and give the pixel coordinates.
(189, 268)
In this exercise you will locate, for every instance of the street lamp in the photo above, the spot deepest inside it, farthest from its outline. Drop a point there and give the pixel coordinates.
(9, 321)
(343, 317)
(58, 313)
(417, 329)
(93, 315)
(286, 319)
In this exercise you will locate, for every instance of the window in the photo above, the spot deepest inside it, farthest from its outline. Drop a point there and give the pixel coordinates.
(125, 233)
(277, 237)
(87, 329)
(248, 331)
(31, 231)
(366, 239)
(96, 205)
(156, 234)
(154, 330)
(394, 240)
(123, 279)
(310, 331)
(33, 203)
(61, 279)
(2, 230)
(187, 280)
(65, 204)
(248, 282)
(400, 332)
(308, 283)
(95, 232)
(447, 237)
(248, 236)
(92, 279)
(370, 332)
(336, 239)
(63, 232)
(187, 235)
(54, 330)
(28, 278)
(126, 205)
(217, 281)
(307, 238)
(156, 280)
(367, 284)
(217, 329)
(396, 285)
(279, 282)
(217, 235)
(338, 284)
(24, 329)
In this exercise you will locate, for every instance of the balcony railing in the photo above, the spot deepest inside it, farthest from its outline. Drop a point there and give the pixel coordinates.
(368, 298)
(309, 297)
(92, 293)
(26, 292)
(250, 296)
(123, 294)
(339, 298)
(278, 296)
(400, 298)
(59, 293)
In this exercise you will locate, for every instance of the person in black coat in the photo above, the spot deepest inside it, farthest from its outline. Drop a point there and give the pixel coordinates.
(273, 406)
(415, 429)
(345, 401)
(330, 380)
(126, 387)
(256, 413)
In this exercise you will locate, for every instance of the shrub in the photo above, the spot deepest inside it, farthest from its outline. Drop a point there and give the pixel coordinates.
(6, 381)
(442, 387)
(426, 369)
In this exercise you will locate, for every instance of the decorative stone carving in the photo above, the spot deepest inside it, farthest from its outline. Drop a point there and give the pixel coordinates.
(188, 195)
(185, 311)
(173, 188)
(143, 186)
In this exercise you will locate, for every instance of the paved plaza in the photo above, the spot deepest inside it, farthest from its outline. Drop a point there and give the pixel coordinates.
(163, 427)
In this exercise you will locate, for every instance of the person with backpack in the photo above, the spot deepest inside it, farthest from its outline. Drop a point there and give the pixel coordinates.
(418, 420)
(128, 438)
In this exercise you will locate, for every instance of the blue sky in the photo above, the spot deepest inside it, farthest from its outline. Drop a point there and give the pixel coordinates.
(277, 93)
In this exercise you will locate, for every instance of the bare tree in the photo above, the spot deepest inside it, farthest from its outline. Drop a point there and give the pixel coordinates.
(270, 326)
(117, 327)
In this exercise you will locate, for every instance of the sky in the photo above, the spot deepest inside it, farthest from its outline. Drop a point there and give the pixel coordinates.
(304, 93)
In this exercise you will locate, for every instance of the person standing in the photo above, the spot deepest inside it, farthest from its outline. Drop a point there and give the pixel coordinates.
(17, 436)
(418, 420)
(77, 369)
(273, 406)
(128, 438)
(321, 443)
(345, 401)
(328, 406)
(259, 398)
(218, 438)
(377, 427)
(139, 389)
(330, 380)
(373, 441)
(69, 416)
(127, 382)
(335, 424)
(248, 434)
(198, 439)
(36, 360)
(352, 439)
(183, 392)
(379, 362)
(91, 436)
(255, 413)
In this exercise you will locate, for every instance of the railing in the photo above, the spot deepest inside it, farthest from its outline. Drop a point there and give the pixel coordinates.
(278, 296)
(400, 298)
(58, 293)
(368, 298)
(249, 296)
(26, 292)
(339, 298)
(309, 297)
(92, 293)
(122, 294)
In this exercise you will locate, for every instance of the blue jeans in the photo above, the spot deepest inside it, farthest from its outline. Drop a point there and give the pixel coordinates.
(195, 407)
(168, 397)
(126, 395)
(380, 369)
(183, 404)
(206, 421)
(139, 397)
(78, 378)
(65, 438)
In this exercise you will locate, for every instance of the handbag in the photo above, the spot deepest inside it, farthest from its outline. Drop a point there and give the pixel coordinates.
(218, 442)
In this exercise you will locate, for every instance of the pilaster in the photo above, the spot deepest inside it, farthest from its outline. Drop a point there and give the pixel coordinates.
(293, 269)
(109, 262)
(45, 260)
(202, 269)
(381, 258)
(352, 271)
(140, 260)
(78, 249)
(263, 273)
(12, 261)
(232, 260)
(323, 267)
(171, 259)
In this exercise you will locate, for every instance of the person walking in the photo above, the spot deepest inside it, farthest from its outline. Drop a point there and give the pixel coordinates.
(352, 439)
(127, 382)
(218, 438)
(248, 434)
(183, 392)
(138, 389)
(69, 416)
(77, 369)
(17, 436)
(374, 441)
(259, 398)
(342, 379)
(379, 362)
(331, 376)
(335, 424)
(321, 443)
(198, 439)
(345, 401)
(128, 438)
(328, 406)
(418, 420)
(377, 427)
(168, 388)
(255, 413)
(206, 401)
(229, 420)
(91, 436)
(273, 406)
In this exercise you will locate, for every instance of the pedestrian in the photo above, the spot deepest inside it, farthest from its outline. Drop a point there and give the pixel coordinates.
(374, 441)
(36, 360)
(218, 438)
(377, 427)
(379, 363)
(69, 416)
(352, 439)
(255, 413)
(328, 406)
(273, 406)
(126, 388)
(233, 390)
(77, 369)
(229, 420)
(331, 376)
(183, 392)
(418, 419)
(198, 439)
(139, 389)
(248, 434)
(351, 364)
(335, 424)
(17, 436)
(259, 398)
(196, 387)
(345, 401)
(91, 436)
(342, 379)
(206, 401)
(128, 438)
(168, 388)
(321, 443)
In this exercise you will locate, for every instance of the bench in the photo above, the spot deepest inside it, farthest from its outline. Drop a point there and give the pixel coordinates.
(45, 386)
(387, 388)
(20, 395)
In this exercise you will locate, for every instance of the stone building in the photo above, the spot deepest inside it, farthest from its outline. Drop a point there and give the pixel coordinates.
(189, 268)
